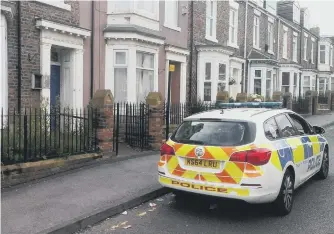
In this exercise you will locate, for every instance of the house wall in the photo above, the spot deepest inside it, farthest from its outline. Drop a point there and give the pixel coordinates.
(30, 39)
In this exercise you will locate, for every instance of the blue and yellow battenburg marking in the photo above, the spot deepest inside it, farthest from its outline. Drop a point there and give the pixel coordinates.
(296, 150)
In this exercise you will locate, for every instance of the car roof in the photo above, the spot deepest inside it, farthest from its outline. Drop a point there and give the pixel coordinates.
(243, 114)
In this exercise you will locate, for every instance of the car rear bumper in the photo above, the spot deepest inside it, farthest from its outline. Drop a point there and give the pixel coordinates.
(245, 193)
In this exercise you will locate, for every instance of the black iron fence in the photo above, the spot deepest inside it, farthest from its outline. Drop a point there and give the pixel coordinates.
(131, 125)
(323, 99)
(300, 105)
(38, 134)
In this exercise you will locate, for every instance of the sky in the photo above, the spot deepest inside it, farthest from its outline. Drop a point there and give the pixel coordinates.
(321, 14)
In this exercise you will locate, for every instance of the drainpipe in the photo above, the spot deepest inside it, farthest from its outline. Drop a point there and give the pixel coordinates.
(92, 53)
(278, 83)
(300, 60)
(245, 52)
(19, 65)
(316, 60)
(191, 48)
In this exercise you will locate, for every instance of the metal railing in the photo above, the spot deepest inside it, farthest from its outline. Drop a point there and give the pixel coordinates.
(38, 134)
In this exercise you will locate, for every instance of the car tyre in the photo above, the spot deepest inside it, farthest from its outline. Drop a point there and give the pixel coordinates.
(323, 173)
(284, 202)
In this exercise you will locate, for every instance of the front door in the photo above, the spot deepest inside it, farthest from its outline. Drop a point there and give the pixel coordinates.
(54, 85)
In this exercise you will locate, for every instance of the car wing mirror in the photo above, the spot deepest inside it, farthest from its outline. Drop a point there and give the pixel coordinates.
(318, 130)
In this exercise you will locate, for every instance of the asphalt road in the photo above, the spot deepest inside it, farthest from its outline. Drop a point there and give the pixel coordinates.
(313, 213)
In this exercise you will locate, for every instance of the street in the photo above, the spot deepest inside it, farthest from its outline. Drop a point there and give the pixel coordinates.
(313, 212)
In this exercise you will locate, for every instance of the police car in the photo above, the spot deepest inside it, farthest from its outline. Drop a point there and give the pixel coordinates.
(258, 155)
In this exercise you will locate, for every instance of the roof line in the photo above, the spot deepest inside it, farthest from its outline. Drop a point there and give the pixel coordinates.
(260, 112)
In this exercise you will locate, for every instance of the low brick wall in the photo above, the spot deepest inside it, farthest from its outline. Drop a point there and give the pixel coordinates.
(24, 172)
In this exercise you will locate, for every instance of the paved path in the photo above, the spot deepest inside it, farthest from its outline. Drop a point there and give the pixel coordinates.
(313, 212)
(320, 119)
(34, 208)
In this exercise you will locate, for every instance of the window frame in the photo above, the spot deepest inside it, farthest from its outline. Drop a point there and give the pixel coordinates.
(207, 81)
(145, 69)
(305, 47)
(234, 7)
(270, 37)
(256, 32)
(212, 17)
(285, 43)
(298, 119)
(168, 24)
(331, 54)
(279, 131)
(324, 52)
(224, 81)
(294, 48)
(312, 51)
(285, 114)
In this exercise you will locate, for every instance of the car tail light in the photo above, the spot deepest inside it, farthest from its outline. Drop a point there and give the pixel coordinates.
(257, 157)
(166, 149)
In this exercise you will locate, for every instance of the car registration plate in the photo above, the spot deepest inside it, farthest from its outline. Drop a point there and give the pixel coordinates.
(202, 163)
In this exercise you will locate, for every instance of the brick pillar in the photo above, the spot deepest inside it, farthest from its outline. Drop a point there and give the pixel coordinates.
(241, 97)
(277, 96)
(308, 97)
(103, 102)
(288, 100)
(154, 101)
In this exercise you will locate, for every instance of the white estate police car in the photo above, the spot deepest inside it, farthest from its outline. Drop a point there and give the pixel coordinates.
(258, 155)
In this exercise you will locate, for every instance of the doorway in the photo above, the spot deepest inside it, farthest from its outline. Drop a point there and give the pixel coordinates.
(175, 83)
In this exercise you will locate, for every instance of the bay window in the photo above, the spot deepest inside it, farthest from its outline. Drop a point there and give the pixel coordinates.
(306, 84)
(144, 75)
(258, 82)
(268, 83)
(207, 82)
(221, 85)
(120, 75)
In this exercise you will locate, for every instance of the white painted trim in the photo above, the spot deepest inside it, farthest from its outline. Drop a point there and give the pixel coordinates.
(49, 25)
(305, 34)
(295, 34)
(313, 39)
(257, 12)
(285, 28)
(59, 4)
(211, 39)
(290, 25)
(176, 57)
(4, 68)
(178, 29)
(133, 36)
(237, 60)
(55, 63)
(214, 30)
(234, 5)
(176, 50)
(271, 19)
(214, 49)
(6, 8)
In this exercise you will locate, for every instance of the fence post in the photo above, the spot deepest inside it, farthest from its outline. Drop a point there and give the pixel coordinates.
(155, 102)
(288, 100)
(315, 102)
(103, 101)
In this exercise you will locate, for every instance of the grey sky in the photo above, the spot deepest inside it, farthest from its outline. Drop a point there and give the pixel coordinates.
(321, 14)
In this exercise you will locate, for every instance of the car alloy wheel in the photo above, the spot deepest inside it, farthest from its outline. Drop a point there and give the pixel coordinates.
(325, 163)
(287, 192)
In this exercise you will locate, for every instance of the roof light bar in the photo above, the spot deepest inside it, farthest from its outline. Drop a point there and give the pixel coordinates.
(250, 105)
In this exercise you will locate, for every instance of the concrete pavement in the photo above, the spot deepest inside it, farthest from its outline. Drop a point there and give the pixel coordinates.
(312, 213)
(321, 120)
(69, 202)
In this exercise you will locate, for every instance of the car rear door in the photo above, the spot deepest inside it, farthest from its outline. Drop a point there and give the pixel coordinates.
(311, 145)
(290, 146)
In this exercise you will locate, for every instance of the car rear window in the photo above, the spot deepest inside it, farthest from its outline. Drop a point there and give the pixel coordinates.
(215, 133)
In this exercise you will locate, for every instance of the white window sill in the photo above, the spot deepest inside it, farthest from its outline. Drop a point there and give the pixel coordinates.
(234, 45)
(175, 28)
(271, 52)
(257, 48)
(305, 60)
(209, 38)
(59, 4)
